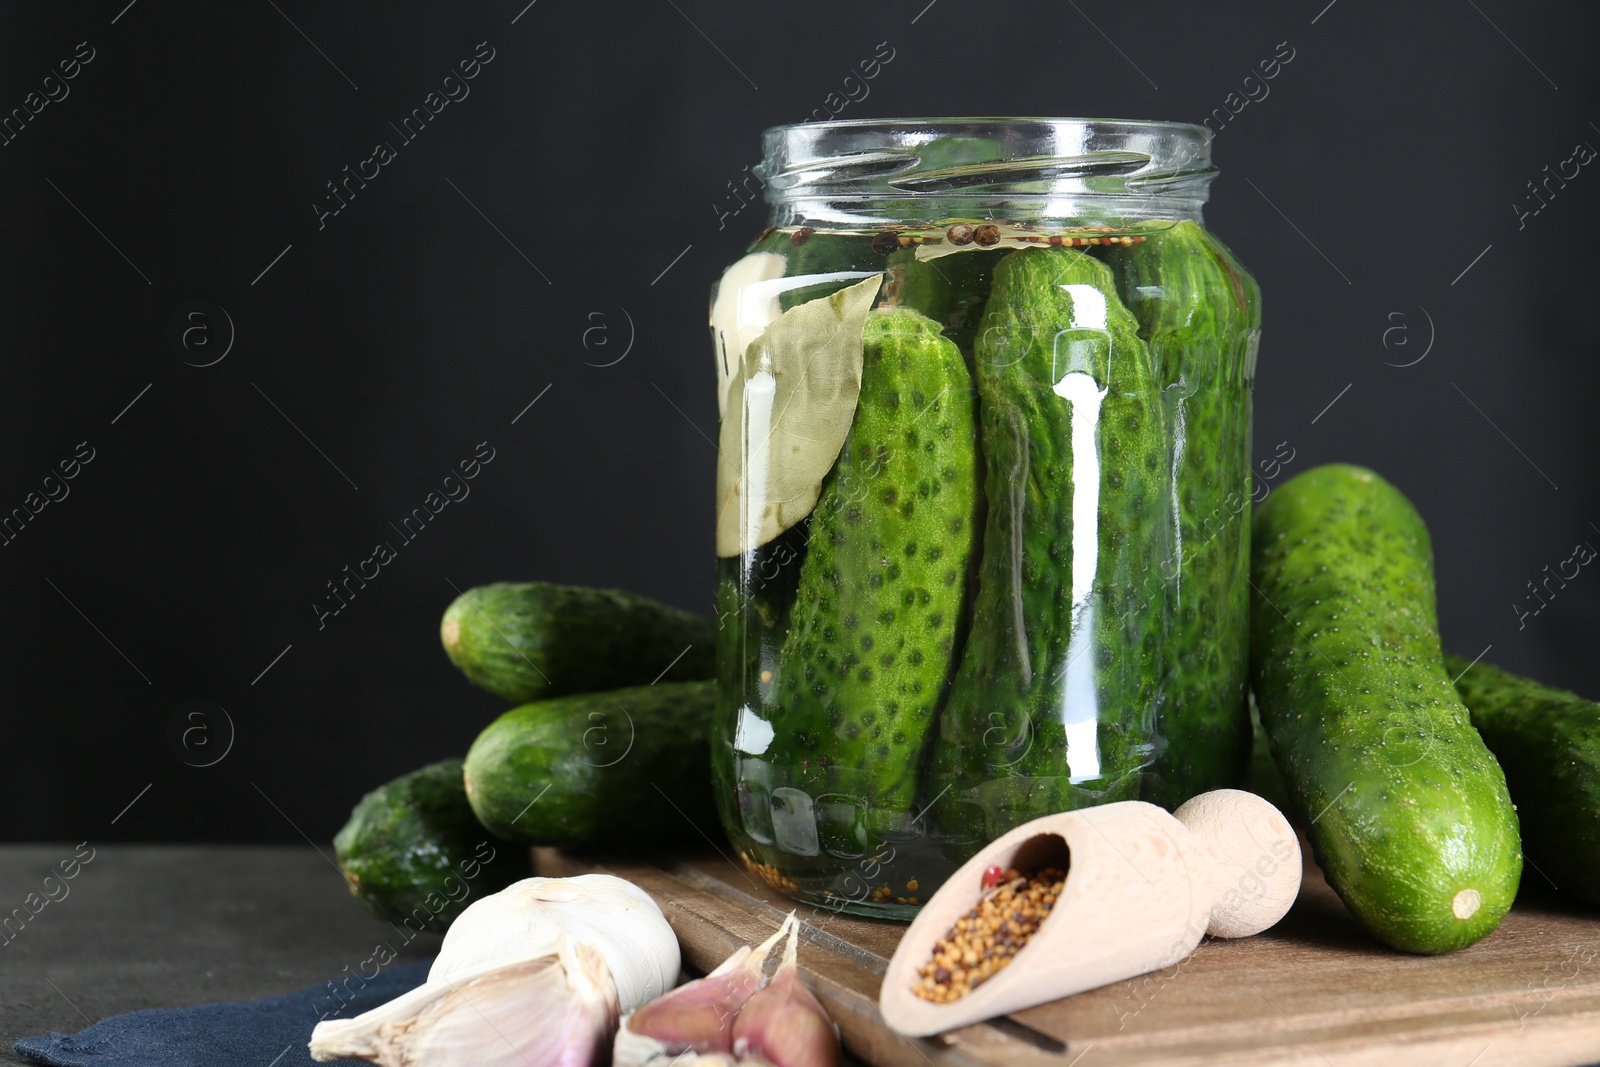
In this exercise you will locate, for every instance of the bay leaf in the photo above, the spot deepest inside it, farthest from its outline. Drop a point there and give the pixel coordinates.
(741, 310)
(788, 410)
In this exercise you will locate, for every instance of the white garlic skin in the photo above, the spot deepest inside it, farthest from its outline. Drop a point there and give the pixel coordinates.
(528, 919)
(551, 1011)
(536, 975)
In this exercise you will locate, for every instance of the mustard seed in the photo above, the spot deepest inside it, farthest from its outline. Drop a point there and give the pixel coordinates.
(985, 940)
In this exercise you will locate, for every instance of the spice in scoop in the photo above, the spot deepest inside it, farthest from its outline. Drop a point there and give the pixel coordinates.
(988, 937)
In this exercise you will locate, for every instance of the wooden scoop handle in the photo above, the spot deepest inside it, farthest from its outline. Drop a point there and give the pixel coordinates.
(1257, 859)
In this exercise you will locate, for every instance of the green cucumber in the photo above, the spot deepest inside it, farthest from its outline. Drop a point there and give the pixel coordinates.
(414, 853)
(1404, 805)
(1548, 742)
(1264, 779)
(627, 766)
(1031, 660)
(1200, 312)
(875, 618)
(948, 289)
(535, 640)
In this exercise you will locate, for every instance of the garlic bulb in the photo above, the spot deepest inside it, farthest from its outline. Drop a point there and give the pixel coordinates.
(527, 919)
(536, 975)
(552, 1011)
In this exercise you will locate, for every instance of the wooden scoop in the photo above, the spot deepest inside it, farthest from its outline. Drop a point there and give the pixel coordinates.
(1142, 888)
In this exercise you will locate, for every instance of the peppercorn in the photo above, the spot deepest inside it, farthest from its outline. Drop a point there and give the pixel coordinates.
(885, 242)
(959, 234)
(801, 236)
(987, 234)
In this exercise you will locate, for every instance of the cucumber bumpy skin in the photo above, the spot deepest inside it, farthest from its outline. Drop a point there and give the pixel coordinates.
(412, 850)
(879, 602)
(1548, 742)
(1200, 313)
(627, 766)
(1405, 807)
(534, 640)
(1003, 744)
(950, 290)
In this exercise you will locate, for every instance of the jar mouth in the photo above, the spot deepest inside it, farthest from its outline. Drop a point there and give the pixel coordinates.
(1030, 166)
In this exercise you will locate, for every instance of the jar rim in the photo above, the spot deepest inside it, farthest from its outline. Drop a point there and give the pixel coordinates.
(1146, 166)
(958, 120)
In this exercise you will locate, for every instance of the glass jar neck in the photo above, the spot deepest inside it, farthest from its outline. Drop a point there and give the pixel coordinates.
(878, 172)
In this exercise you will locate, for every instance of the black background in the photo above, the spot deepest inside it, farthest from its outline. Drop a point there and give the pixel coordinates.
(584, 176)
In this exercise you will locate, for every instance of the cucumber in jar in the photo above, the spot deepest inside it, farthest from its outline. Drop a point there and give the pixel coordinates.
(949, 289)
(1199, 312)
(1052, 705)
(879, 603)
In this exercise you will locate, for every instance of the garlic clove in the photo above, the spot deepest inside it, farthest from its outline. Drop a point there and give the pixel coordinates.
(555, 1011)
(697, 1016)
(784, 1024)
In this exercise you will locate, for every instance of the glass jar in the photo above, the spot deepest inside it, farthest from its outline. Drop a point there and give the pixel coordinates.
(983, 494)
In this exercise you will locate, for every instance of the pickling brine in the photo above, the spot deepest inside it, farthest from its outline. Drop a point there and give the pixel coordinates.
(983, 495)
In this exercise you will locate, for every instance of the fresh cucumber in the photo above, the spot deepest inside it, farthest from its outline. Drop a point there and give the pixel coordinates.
(535, 640)
(1264, 779)
(875, 617)
(620, 767)
(1053, 704)
(1548, 742)
(1404, 805)
(1200, 313)
(414, 853)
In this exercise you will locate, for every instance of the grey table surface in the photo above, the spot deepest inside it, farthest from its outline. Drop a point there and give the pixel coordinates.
(159, 926)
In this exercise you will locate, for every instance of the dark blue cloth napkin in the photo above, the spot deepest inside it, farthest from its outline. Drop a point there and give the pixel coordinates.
(252, 1033)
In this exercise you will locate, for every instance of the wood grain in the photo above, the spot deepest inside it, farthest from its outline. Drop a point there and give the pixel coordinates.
(1315, 990)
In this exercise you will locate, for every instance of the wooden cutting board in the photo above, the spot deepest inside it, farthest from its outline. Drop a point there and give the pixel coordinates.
(1315, 990)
